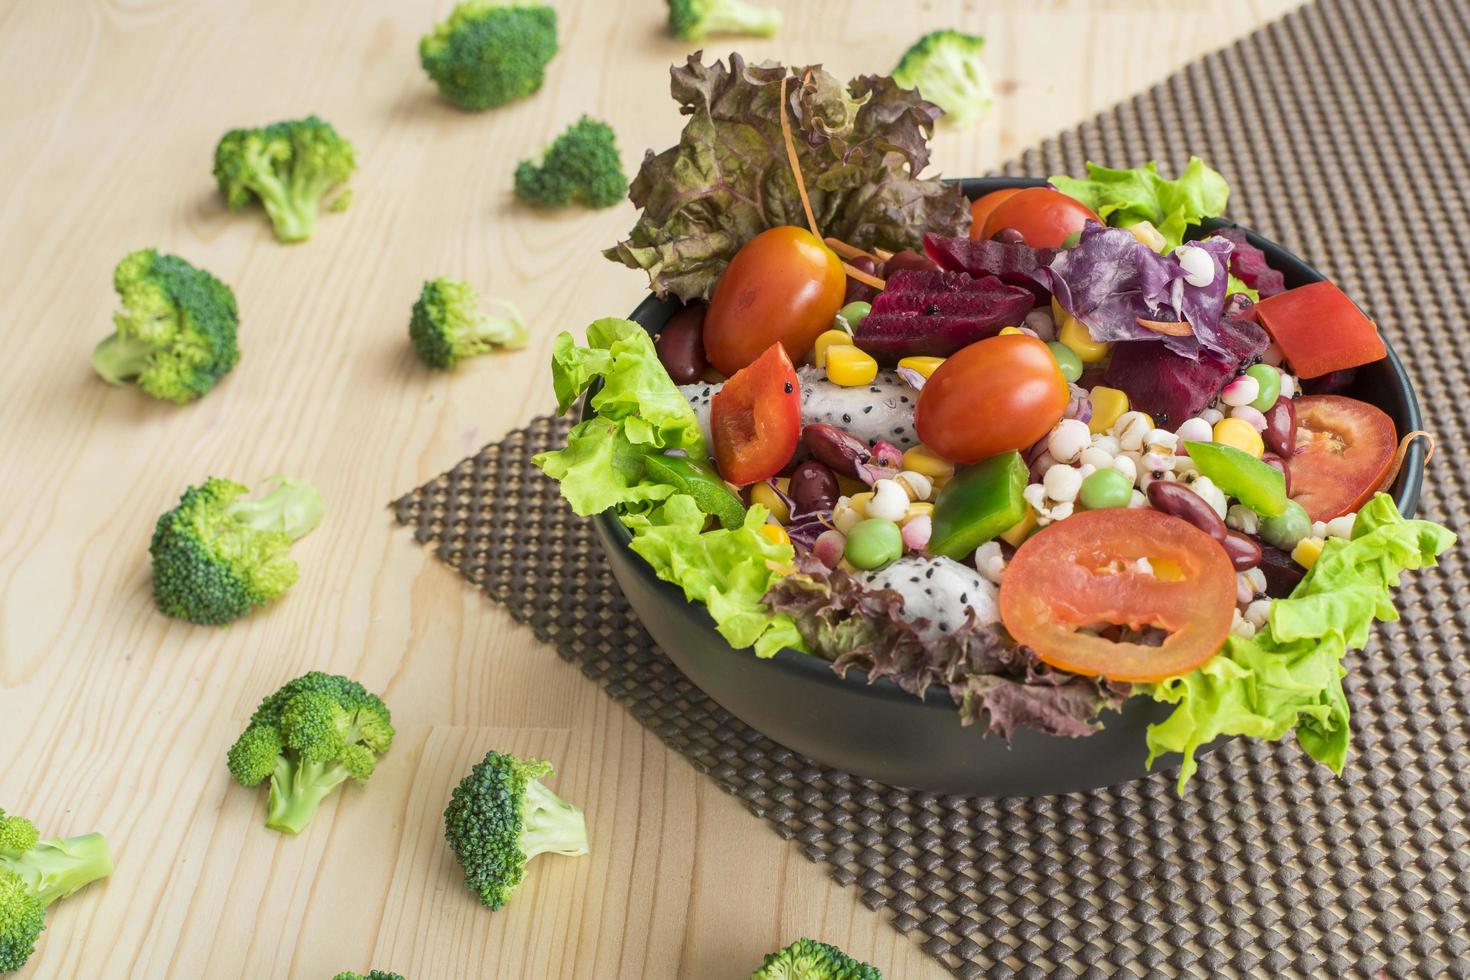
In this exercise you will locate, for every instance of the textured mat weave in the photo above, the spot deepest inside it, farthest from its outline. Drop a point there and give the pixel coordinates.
(1342, 130)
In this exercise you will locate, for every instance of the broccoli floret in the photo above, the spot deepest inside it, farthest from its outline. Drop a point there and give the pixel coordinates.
(807, 959)
(293, 168)
(501, 817)
(945, 67)
(175, 333)
(34, 874)
(217, 557)
(447, 324)
(371, 975)
(486, 54)
(695, 20)
(308, 738)
(581, 166)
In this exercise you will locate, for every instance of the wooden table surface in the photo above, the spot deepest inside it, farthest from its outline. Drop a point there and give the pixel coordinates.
(117, 719)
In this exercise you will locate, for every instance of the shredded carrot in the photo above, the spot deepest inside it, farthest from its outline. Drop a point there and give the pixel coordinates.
(848, 251)
(1402, 452)
(864, 277)
(883, 254)
(806, 203)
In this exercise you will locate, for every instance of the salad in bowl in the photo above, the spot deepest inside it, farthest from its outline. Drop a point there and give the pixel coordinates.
(1069, 451)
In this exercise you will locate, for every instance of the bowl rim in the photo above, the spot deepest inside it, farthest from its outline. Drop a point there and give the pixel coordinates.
(1406, 496)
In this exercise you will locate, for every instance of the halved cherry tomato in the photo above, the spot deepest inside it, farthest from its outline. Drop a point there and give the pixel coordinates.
(997, 394)
(1344, 448)
(755, 419)
(1044, 217)
(784, 285)
(1319, 329)
(1084, 572)
(981, 207)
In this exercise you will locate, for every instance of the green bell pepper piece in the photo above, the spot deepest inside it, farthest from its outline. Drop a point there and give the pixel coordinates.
(1258, 485)
(711, 494)
(981, 502)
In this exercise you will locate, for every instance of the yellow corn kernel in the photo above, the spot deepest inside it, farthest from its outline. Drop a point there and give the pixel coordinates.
(922, 459)
(1108, 405)
(1022, 529)
(1057, 313)
(1145, 232)
(775, 533)
(849, 486)
(1008, 331)
(762, 494)
(1166, 569)
(919, 508)
(859, 503)
(1074, 335)
(827, 340)
(1239, 434)
(850, 367)
(926, 366)
(1307, 551)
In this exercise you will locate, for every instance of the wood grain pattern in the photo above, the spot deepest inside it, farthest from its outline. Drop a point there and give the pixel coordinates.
(114, 718)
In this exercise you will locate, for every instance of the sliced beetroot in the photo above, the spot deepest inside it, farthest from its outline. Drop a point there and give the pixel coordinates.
(1248, 264)
(1012, 263)
(1171, 387)
(934, 314)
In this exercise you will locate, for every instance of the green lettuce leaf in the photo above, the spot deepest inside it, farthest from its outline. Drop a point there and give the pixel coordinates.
(1288, 677)
(1126, 197)
(861, 147)
(639, 412)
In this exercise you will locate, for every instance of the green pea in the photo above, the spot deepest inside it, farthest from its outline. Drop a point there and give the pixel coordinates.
(1270, 381)
(1105, 488)
(873, 543)
(1067, 360)
(1288, 529)
(852, 314)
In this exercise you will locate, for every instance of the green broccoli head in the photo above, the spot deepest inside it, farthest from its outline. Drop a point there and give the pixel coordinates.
(175, 333)
(371, 975)
(500, 817)
(308, 738)
(34, 874)
(945, 67)
(293, 168)
(581, 166)
(695, 20)
(217, 556)
(807, 959)
(487, 54)
(447, 324)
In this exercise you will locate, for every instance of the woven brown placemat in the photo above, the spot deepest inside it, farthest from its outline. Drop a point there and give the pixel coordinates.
(1342, 130)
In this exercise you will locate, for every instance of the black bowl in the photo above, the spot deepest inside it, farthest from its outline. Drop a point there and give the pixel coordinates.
(877, 730)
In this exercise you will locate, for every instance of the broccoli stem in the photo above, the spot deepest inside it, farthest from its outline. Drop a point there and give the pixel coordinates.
(54, 869)
(119, 359)
(505, 330)
(292, 507)
(552, 825)
(297, 791)
(291, 210)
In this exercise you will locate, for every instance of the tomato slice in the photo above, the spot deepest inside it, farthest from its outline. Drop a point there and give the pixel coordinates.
(755, 418)
(1344, 448)
(1083, 572)
(1045, 217)
(981, 207)
(1319, 330)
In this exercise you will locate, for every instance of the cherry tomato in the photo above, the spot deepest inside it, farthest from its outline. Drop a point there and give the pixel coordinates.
(1044, 217)
(783, 286)
(1344, 448)
(997, 394)
(755, 419)
(981, 207)
(1083, 572)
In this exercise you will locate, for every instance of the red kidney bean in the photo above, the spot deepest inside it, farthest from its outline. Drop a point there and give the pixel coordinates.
(680, 345)
(860, 292)
(1278, 464)
(813, 487)
(837, 449)
(909, 259)
(1280, 433)
(1331, 383)
(1009, 236)
(1244, 552)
